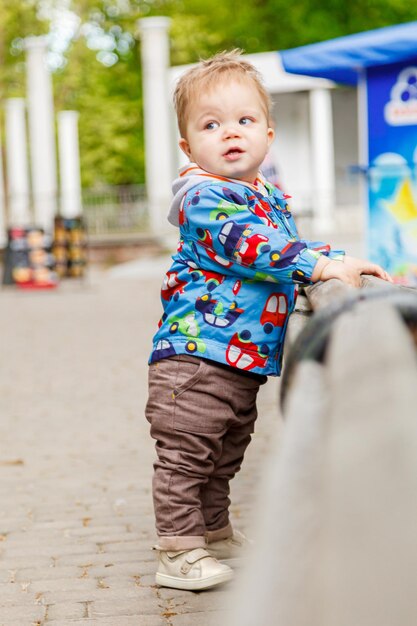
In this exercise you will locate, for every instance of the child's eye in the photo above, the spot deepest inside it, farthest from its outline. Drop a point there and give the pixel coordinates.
(211, 125)
(244, 121)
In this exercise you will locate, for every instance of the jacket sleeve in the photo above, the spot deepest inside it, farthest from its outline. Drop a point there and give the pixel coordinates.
(228, 233)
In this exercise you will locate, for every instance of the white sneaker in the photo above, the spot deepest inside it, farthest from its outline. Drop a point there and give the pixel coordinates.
(233, 547)
(191, 569)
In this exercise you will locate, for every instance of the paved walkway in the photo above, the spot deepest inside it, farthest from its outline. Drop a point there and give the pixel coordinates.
(76, 522)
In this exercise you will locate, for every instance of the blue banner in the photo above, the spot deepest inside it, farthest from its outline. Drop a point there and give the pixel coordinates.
(392, 168)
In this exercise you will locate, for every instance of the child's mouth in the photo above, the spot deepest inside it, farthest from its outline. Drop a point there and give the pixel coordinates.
(233, 154)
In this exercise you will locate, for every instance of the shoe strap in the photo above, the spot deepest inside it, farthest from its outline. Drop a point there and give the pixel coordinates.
(170, 553)
(192, 556)
(196, 555)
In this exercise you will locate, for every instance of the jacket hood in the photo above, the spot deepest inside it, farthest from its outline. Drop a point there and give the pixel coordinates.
(190, 176)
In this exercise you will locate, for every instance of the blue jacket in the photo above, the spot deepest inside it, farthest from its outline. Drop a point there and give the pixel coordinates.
(233, 281)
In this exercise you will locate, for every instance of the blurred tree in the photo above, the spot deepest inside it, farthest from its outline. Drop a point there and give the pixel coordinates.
(203, 27)
(100, 77)
(107, 92)
(18, 20)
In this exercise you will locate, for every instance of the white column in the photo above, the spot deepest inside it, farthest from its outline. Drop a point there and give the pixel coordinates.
(69, 164)
(17, 165)
(3, 234)
(41, 133)
(322, 154)
(158, 150)
(363, 143)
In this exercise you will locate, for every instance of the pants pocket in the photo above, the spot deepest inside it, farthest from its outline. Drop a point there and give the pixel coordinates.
(188, 374)
(199, 407)
(168, 379)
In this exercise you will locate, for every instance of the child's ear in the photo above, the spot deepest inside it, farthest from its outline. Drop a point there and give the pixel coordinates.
(185, 147)
(271, 135)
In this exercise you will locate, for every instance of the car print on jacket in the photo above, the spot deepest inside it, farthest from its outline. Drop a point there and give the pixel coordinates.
(224, 210)
(275, 312)
(171, 286)
(187, 325)
(239, 243)
(236, 287)
(210, 279)
(261, 209)
(207, 241)
(163, 350)
(288, 255)
(244, 354)
(252, 247)
(232, 203)
(213, 311)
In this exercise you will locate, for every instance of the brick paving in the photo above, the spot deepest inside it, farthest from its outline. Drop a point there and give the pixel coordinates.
(76, 521)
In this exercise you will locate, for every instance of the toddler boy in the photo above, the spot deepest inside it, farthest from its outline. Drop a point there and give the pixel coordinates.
(226, 302)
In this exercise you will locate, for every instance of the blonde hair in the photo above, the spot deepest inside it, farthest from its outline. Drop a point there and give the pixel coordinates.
(222, 66)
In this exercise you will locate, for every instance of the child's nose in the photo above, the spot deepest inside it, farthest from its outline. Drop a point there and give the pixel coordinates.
(232, 130)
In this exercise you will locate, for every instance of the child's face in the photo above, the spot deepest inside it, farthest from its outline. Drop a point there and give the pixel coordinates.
(227, 131)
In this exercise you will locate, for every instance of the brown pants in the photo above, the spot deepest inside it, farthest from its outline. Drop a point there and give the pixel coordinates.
(202, 417)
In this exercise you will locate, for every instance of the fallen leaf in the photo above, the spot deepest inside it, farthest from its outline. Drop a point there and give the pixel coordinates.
(12, 576)
(102, 584)
(13, 462)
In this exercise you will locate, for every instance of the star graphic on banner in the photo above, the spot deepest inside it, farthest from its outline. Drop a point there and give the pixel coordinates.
(404, 206)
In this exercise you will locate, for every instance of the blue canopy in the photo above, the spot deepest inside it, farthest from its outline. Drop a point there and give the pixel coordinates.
(343, 58)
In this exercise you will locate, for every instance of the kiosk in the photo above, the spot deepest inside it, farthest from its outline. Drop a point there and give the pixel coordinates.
(383, 64)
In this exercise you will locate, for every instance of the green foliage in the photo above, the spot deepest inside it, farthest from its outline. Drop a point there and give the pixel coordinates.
(110, 124)
(18, 20)
(201, 28)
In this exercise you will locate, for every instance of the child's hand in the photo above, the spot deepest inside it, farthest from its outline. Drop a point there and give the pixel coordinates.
(366, 267)
(348, 271)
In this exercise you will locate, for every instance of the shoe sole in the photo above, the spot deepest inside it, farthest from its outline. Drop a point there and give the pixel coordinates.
(195, 584)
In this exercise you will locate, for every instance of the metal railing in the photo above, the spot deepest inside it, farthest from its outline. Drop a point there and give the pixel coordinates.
(117, 210)
(339, 505)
